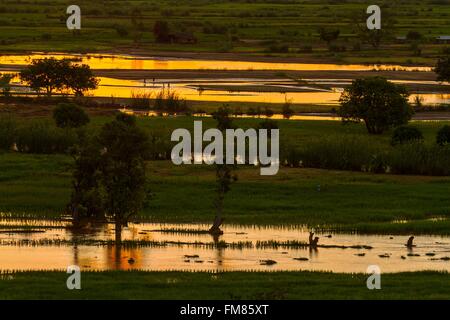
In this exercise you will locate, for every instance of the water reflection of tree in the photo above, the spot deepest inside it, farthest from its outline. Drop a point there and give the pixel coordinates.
(118, 257)
(92, 230)
(219, 251)
(313, 253)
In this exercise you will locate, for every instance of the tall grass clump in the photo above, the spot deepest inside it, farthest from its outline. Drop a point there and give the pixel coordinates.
(170, 101)
(342, 153)
(44, 138)
(8, 131)
(419, 158)
(141, 100)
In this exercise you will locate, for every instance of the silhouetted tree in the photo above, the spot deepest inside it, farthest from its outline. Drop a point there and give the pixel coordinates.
(379, 103)
(46, 74)
(122, 170)
(109, 175)
(86, 200)
(161, 31)
(79, 78)
(51, 75)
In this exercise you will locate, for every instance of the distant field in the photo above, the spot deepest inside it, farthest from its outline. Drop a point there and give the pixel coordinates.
(260, 27)
(205, 286)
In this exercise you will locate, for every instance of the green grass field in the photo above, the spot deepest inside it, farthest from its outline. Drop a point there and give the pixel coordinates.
(208, 286)
(256, 28)
(41, 185)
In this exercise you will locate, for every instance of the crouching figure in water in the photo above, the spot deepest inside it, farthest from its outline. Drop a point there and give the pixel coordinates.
(313, 240)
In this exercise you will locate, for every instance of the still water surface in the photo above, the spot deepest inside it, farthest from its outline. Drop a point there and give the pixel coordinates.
(225, 90)
(56, 247)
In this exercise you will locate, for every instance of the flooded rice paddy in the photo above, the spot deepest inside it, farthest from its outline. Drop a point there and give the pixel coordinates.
(308, 91)
(107, 61)
(49, 245)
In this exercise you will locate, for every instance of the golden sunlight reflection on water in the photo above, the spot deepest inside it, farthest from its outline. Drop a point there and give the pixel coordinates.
(21, 251)
(105, 61)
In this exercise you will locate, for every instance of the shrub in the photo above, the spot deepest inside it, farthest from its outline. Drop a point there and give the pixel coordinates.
(8, 131)
(41, 137)
(69, 115)
(406, 134)
(443, 136)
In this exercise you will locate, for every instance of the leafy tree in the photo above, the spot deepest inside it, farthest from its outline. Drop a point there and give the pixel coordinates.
(405, 134)
(443, 136)
(70, 115)
(109, 175)
(161, 31)
(86, 198)
(51, 75)
(443, 69)
(122, 170)
(379, 103)
(224, 175)
(79, 78)
(46, 74)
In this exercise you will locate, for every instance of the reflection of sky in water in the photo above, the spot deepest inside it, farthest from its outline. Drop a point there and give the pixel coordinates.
(123, 88)
(172, 257)
(98, 61)
(189, 89)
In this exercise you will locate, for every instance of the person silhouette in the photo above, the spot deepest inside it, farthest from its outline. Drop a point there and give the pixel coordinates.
(409, 243)
(311, 236)
(313, 241)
